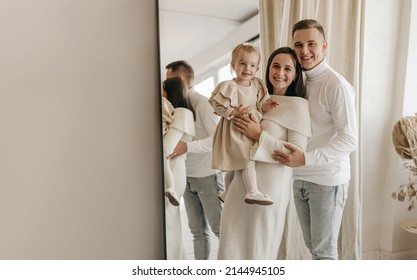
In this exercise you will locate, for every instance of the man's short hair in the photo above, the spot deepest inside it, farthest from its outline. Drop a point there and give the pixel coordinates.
(183, 68)
(307, 24)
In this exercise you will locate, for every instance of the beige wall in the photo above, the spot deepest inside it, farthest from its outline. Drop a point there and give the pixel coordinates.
(79, 121)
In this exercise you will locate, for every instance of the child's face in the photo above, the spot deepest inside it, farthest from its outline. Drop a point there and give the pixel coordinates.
(246, 65)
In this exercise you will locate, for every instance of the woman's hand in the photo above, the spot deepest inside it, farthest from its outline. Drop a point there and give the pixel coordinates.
(248, 125)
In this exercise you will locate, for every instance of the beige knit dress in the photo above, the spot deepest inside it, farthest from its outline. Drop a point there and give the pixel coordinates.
(255, 232)
(230, 147)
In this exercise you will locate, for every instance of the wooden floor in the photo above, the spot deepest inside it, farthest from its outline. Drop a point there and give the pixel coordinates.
(188, 238)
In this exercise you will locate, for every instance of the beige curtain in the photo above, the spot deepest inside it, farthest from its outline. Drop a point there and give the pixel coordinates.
(342, 22)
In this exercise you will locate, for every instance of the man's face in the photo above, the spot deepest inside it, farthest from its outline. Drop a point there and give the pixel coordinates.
(309, 45)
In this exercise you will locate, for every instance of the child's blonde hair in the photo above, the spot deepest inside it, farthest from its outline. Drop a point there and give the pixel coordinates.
(244, 47)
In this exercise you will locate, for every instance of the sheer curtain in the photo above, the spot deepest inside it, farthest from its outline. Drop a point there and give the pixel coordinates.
(342, 22)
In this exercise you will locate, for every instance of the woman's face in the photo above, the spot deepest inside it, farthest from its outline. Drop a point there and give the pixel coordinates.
(281, 72)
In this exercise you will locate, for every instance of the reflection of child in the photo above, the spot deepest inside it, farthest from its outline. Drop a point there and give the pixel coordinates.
(174, 105)
(245, 94)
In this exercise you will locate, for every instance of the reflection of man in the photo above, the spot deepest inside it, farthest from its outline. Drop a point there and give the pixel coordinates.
(322, 177)
(203, 183)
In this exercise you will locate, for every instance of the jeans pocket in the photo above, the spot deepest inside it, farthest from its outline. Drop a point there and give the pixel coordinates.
(340, 195)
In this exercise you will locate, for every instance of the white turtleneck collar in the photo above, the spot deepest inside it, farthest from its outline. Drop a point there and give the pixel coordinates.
(316, 71)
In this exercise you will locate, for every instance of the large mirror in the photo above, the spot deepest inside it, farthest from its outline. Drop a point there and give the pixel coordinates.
(203, 33)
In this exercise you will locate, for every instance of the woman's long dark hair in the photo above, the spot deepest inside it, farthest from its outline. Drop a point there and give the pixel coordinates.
(177, 93)
(296, 88)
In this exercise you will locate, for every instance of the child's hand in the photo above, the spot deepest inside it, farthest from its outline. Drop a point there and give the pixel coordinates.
(269, 104)
(241, 110)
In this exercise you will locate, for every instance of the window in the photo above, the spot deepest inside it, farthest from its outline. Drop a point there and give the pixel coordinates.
(205, 87)
(219, 74)
(225, 73)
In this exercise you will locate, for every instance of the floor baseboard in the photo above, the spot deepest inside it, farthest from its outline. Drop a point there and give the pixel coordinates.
(385, 255)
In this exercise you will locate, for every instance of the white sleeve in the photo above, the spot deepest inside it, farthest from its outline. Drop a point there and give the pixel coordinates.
(263, 150)
(209, 120)
(342, 109)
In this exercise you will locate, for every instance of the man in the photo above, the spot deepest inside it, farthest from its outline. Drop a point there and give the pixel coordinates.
(201, 199)
(322, 173)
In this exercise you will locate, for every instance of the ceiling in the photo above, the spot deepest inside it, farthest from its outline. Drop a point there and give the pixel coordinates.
(189, 28)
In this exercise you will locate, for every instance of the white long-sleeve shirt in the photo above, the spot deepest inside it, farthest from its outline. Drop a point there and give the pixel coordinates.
(199, 151)
(334, 129)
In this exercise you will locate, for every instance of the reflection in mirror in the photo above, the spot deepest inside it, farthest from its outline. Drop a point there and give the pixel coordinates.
(203, 33)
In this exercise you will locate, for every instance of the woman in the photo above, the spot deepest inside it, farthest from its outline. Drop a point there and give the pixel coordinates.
(178, 124)
(251, 231)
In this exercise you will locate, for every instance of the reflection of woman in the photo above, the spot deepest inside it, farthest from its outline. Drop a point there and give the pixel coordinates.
(180, 126)
(251, 231)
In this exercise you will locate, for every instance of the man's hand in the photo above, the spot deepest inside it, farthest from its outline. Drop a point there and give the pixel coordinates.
(294, 159)
(180, 149)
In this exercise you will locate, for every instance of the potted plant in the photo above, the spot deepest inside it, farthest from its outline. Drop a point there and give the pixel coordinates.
(408, 192)
(404, 138)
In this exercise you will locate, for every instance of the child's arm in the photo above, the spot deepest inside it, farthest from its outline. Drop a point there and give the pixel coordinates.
(240, 110)
(269, 104)
(264, 101)
(220, 109)
(229, 112)
(224, 101)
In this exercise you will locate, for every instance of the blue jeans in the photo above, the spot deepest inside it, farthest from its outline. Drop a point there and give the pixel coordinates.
(202, 204)
(320, 210)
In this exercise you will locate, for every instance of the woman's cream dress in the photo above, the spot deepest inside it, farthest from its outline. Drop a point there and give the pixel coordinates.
(254, 232)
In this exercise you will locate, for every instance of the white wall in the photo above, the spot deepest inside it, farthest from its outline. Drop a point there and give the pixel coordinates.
(80, 170)
(384, 62)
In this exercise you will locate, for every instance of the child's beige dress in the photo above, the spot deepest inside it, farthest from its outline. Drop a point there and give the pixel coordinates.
(230, 147)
